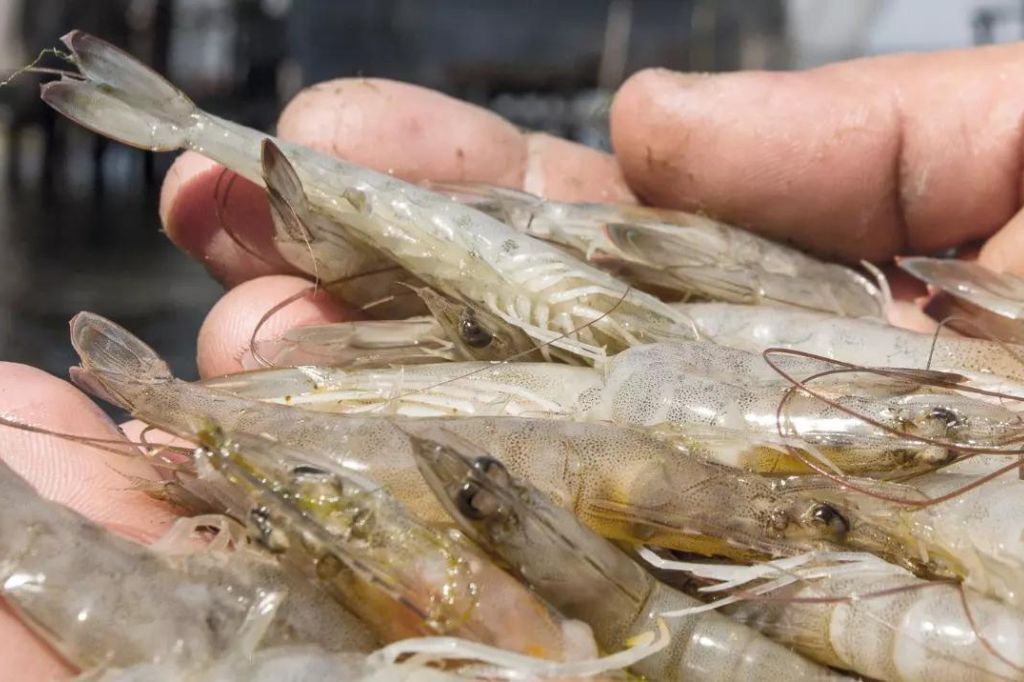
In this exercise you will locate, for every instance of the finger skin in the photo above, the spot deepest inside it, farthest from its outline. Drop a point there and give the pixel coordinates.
(98, 484)
(202, 204)
(412, 132)
(226, 332)
(1004, 251)
(862, 159)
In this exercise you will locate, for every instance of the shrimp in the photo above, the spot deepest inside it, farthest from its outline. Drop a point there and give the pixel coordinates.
(580, 312)
(101, 600)
(860, 342)
(724, 403)
(623, 483)
(976, 299)
(681, 255)
(586, 576)
(400, 576)
(880, 621)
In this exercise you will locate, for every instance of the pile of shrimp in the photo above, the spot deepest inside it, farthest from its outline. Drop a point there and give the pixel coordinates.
(577, 441)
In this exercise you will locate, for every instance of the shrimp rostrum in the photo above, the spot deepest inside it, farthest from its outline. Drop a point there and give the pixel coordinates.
(622, 482)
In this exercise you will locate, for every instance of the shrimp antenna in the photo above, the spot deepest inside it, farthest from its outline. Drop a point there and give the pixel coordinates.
(916, 376)
(498, 363)
(847, 481)
(982, 331)
(220, 203)
(102, 444)
(311, 290)
(32, 67)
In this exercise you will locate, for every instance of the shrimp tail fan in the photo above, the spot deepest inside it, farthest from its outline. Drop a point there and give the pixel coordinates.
(113, 360)
(120, 97)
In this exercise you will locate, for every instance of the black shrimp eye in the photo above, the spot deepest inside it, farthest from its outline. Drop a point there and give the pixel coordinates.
(305, 471)
(828, 515)
(472, 334)
(467, 499)
(945, 416)
(492, 469)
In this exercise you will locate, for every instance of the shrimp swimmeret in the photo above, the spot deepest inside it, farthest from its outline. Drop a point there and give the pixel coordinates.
(859, 613)
(622, 482)
(324, 204)
(682, 255)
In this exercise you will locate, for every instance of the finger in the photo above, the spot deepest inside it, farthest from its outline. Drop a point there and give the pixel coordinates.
(220, 219)
(1004, 251)
(98, 484)
(864, 159)
(412, 132)
(227, 331)
(420, 134)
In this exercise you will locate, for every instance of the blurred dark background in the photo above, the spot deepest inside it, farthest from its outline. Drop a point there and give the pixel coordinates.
(78, 217)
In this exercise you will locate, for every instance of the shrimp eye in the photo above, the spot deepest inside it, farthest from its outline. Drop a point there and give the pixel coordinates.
(829, 516)
(267, 534)
(471, 333)
(474, 502)
(492, 469)
(945, 416)
(305, 471)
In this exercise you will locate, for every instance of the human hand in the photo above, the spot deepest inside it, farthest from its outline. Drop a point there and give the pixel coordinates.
(867, 159)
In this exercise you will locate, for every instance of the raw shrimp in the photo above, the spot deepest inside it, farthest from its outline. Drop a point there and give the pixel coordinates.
(586, 576)
(622, 482)
(977, 301)
(719, 401)
(880, 621)
(401, 576)
(583, 312)
(860, 342)
(681, 255)
(101, 600)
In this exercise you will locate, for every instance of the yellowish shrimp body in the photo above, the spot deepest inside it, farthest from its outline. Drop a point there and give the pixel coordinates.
(621, 482)
(681, 255)
(589, 578)
(402, 577)
(456, 249)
